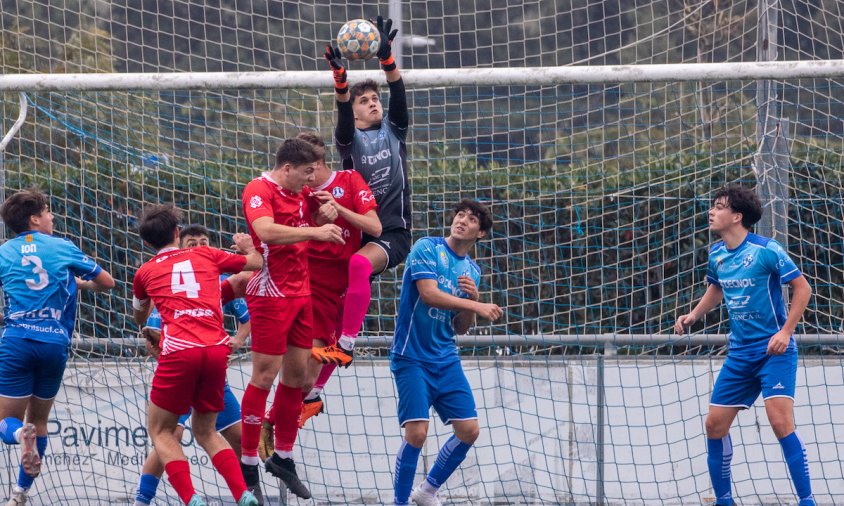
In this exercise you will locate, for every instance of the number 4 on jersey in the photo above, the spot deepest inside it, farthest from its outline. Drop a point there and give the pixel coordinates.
(184, 280)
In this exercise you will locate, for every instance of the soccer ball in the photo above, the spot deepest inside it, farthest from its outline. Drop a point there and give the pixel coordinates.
(358, 39)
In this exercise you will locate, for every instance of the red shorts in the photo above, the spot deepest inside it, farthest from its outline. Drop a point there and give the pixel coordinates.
(195, 377)
(329, 282)
(279, 322)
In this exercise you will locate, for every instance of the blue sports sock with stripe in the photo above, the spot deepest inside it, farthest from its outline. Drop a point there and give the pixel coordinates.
(718, 458)
(451, 455)
(8, 426)
(406, 461)
(794, 452)
(147, 487)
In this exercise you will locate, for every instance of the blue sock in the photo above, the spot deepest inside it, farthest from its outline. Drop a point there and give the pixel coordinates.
(147, 488)
(24, 480)
(718, 458)
(406, 462)
(8, 426)
(451, 455)
(41, 444)
(798, 464)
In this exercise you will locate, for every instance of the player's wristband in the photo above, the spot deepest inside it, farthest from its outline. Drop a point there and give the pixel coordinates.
(341, 89)
(388, 64)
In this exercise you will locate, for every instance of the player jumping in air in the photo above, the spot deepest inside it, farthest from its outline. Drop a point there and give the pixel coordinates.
(228, 420)
(40, 275)
(279, 301)
(372, 143)
(747, 271)
(349, 199)
(439, 299)
(184, 284)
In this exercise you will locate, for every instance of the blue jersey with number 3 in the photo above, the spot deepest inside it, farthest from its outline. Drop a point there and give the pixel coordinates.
(751, 277)
(37, 276)
(425, 333)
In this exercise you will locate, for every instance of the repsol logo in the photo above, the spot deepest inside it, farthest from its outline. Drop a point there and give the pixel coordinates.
(196, 313)
(384, 154)
(737, 283)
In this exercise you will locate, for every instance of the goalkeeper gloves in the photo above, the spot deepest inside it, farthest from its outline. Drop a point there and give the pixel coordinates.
(332, 54)
(385, 52)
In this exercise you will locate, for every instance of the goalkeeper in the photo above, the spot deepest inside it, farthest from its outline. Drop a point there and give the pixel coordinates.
(374, 144)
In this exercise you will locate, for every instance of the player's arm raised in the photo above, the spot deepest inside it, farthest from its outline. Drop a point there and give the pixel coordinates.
(101, 283)
(398, 98)
(431, 295)
(710, 300)
(270, 232)
(243, 244)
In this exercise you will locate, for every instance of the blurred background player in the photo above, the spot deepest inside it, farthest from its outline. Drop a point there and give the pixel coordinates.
(348, 198)
(228, 420)
(439, 299)
(40, 275)
(372, 143)
(279, 301)
(748, 272)
(184, 284)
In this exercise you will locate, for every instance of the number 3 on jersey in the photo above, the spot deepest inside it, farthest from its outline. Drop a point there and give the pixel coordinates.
(184, 280)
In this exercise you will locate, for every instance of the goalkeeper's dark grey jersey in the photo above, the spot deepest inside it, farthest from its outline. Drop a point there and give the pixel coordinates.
(380, 155)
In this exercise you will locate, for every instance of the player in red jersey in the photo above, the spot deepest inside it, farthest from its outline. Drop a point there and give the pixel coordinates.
(184, 284)
(279, 302)
(345, 199)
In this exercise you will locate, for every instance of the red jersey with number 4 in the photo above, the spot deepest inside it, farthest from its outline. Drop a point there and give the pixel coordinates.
(285, 270)
(350, 191)
(184, 284)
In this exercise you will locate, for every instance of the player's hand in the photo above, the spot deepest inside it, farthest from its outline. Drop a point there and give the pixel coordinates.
(778, 343)
(152, 341)
(236, 342)
(683, 322)
(325, 197)
(243, 243)
(489, 312)
(329, 233)
(385, 50)
(467, 285)
(326, 213)
(332, 55)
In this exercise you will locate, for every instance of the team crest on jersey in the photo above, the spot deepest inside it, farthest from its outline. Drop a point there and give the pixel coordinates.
(256, 202)
(443, 258)
(337, 192)
(748, 259)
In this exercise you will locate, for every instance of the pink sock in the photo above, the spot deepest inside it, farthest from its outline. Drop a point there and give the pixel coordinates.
(287, 407)
(252, 408)
(357, 296)
(324, 374)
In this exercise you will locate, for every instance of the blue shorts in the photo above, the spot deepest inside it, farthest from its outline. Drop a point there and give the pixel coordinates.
(230, 414)
(30, 367)
(446, 389)
(742, 379)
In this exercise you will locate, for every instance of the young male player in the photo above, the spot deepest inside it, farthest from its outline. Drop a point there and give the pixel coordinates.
(228, 420)
(439, 299)
(278, 297)
(353, 208)
(38, 274)
(184, 284)
(747, 271)
(372, 143)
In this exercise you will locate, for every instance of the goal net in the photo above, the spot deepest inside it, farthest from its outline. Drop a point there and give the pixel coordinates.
(600, 192)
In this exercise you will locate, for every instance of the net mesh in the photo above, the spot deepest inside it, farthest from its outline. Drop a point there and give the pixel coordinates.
(599, 192)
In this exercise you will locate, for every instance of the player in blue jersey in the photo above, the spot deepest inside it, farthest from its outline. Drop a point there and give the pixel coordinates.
(228, 420)
(439, 299)
(374, 144)
(39, 275)
(747, 271)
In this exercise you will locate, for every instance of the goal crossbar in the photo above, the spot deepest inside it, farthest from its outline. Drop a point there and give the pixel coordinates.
(419, 78)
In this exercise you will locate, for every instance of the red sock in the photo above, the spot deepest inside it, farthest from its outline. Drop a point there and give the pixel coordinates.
(225, 462)
(288, 407)
(324, 374)
(251, 413)
(357, 296)
(178, 473)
